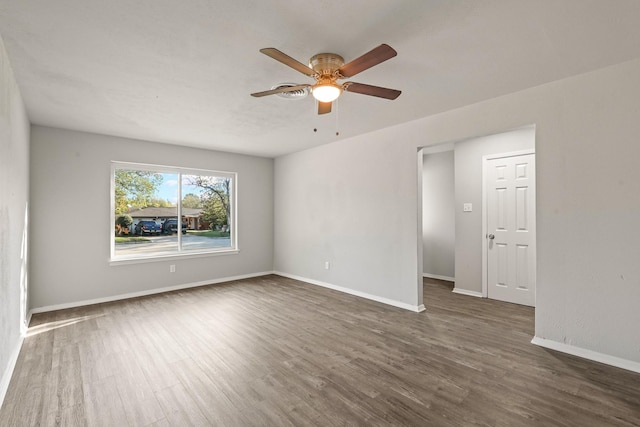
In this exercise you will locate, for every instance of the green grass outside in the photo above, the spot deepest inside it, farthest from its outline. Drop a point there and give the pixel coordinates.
(131, 239)
(208, 233)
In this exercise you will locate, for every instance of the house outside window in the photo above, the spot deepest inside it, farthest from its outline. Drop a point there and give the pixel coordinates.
(148, 200)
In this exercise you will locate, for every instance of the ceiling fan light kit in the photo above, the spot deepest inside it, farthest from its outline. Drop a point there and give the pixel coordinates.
(327, 69)
(326, 92)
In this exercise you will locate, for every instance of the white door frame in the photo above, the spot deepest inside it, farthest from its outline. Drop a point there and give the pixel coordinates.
(485, 159)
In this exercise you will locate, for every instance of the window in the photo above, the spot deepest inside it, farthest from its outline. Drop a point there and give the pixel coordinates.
(161, 211)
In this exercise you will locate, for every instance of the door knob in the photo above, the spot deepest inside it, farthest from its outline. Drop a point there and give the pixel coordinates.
(491, 236)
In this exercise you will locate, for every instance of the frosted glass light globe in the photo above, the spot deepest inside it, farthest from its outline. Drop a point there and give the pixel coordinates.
(326, 92)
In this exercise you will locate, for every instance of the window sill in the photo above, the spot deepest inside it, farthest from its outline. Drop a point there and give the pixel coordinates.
(170, 257)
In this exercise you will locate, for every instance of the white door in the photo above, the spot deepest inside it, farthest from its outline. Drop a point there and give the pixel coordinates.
(510, 238)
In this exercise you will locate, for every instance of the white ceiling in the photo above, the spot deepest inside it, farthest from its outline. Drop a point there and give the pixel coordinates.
(181, 71)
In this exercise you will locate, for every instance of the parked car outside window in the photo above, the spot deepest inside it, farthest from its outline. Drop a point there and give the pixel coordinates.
(171, 226)
(147, 227)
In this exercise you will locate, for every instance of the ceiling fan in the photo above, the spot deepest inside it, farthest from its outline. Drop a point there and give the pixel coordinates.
(327, 69)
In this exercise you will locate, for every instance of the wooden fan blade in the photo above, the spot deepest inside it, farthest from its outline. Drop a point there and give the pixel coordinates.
(380, 92)
(324, 107)
(287, 60)
(279, 90)
(368, 60)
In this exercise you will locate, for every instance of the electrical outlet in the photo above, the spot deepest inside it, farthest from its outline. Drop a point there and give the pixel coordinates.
(172, 268)
(327, 266)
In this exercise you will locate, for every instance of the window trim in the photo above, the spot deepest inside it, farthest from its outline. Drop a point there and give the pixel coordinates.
(180, 253)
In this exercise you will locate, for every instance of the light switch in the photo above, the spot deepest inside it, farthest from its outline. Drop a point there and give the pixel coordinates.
(467, 207)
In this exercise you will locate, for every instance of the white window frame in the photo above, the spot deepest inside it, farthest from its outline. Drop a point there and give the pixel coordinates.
(180, 253)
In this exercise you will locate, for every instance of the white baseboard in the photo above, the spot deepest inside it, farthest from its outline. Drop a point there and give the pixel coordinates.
(438, 277)
(27, 322)
(8, 372)
(399, 304)
(147, 292)
(587, 354)
(467, 292)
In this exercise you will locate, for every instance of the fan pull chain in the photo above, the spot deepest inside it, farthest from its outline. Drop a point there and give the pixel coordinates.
(336, 103)
(314, 110)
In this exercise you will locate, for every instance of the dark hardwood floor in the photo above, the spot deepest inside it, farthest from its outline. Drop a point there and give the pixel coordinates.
(272, 351)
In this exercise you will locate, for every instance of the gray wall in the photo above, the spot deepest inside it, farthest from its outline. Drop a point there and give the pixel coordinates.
(351, 203)
(438, 215)
(468, 189)
(14, 196)
(70, 227)
(355, 202)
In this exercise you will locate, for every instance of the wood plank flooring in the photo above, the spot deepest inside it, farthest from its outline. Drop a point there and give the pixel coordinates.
(272, 351)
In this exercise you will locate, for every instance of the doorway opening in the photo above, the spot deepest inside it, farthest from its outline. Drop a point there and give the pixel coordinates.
(453, 233)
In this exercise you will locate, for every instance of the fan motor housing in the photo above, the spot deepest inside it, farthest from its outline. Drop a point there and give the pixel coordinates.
(326, 63)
